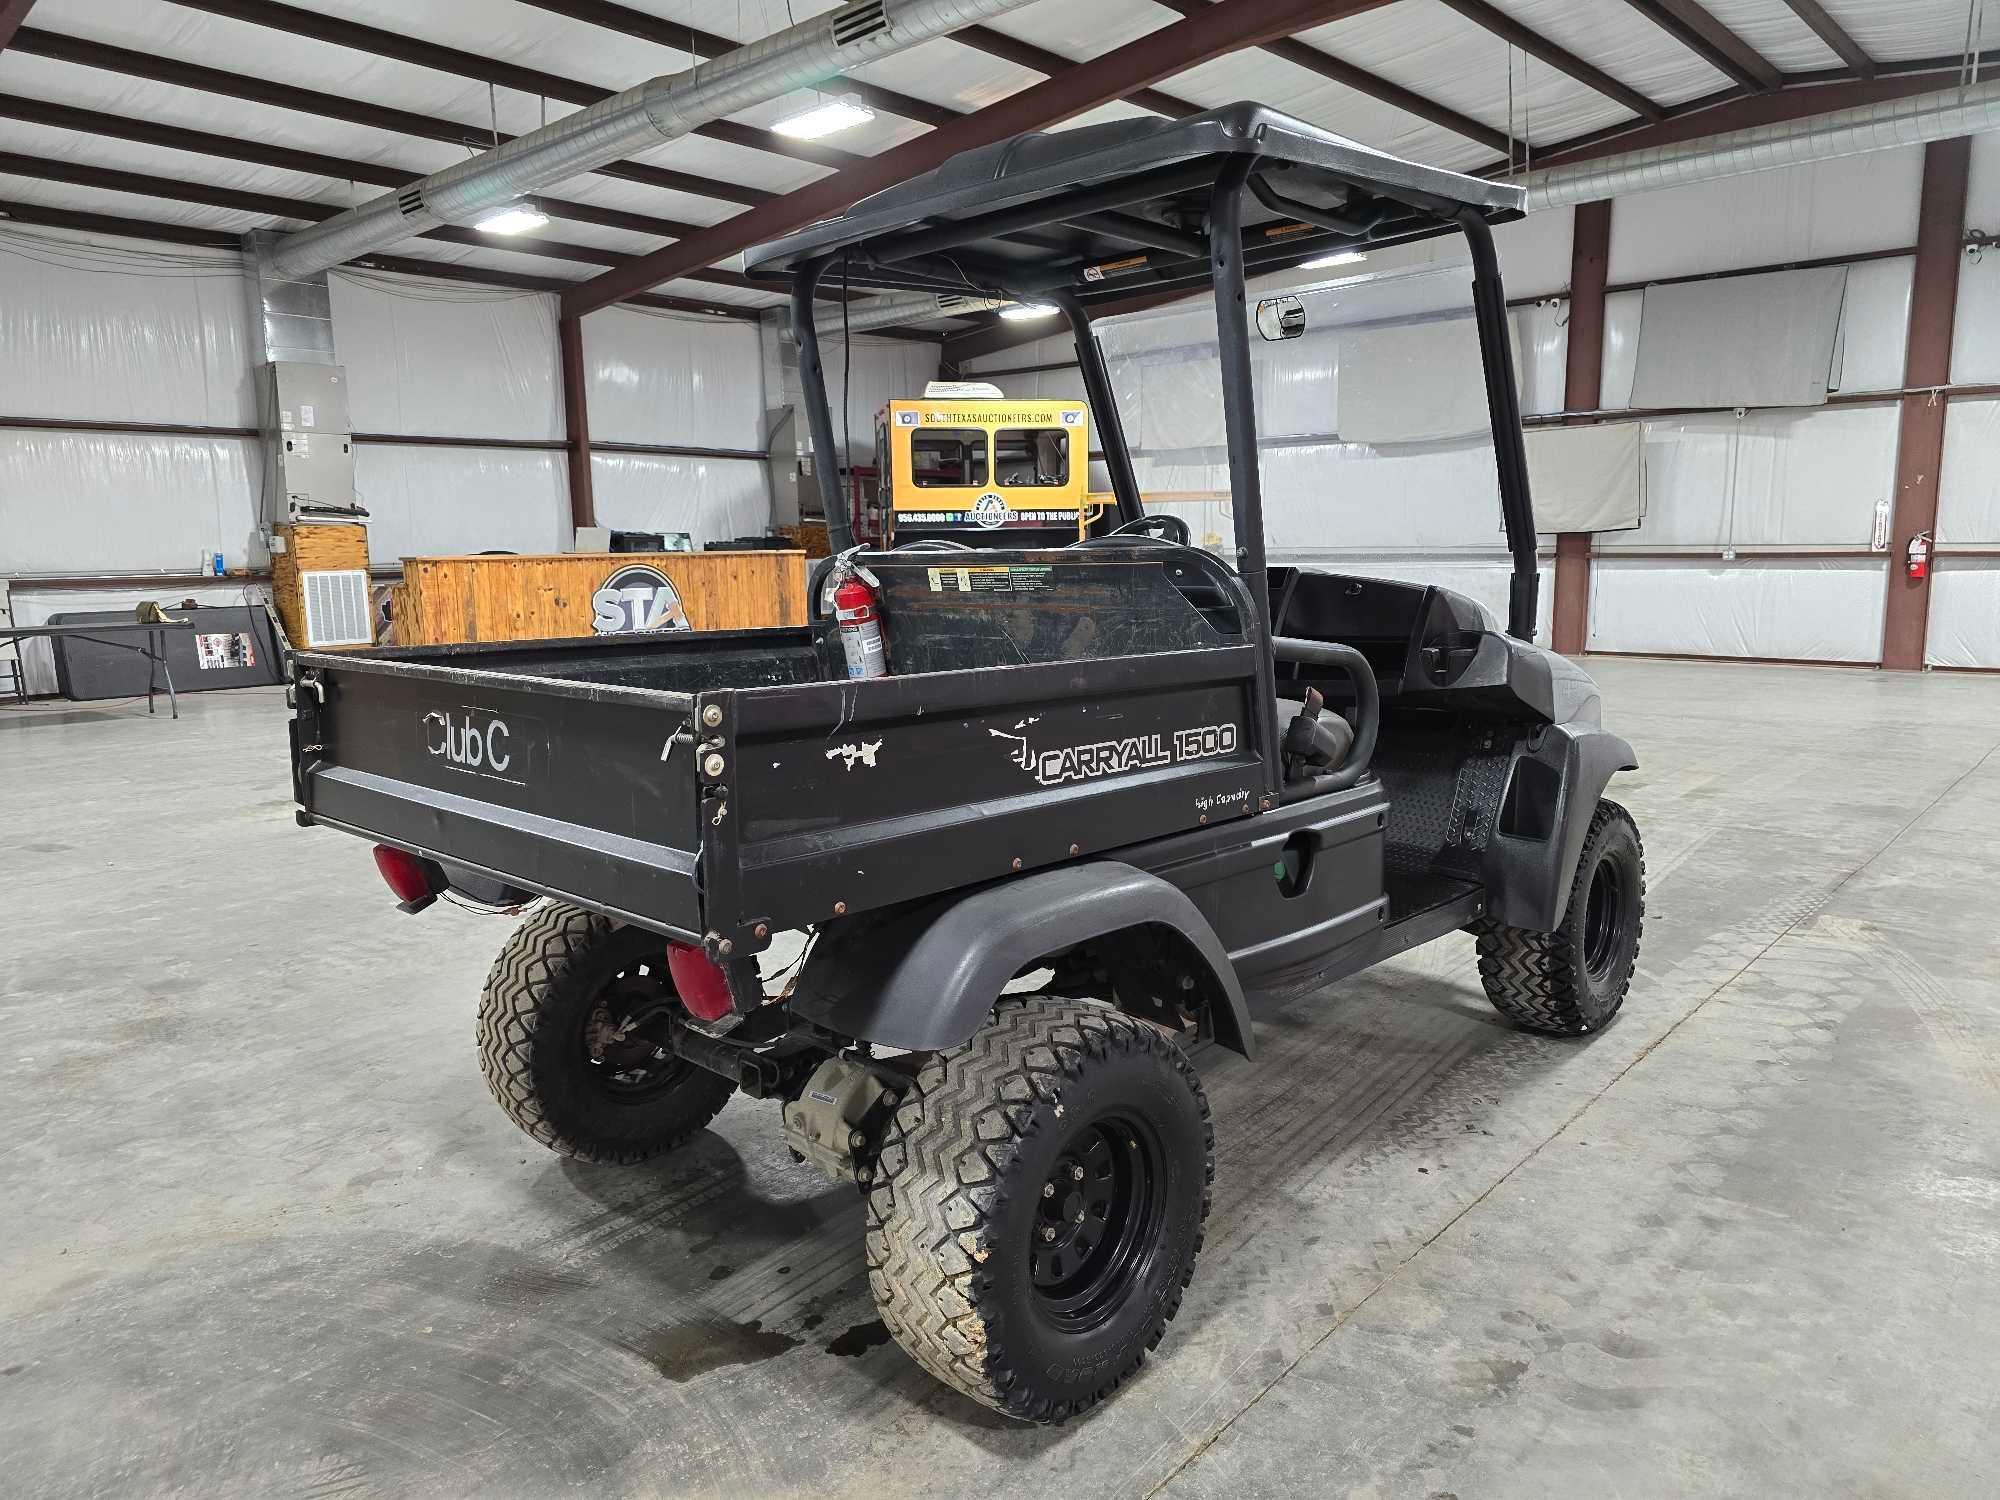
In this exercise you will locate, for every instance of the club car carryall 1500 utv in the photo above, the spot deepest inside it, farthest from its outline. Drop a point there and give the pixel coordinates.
(1146, 786)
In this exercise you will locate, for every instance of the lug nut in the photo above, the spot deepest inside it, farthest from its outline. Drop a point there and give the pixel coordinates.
(1048, 1190)
(712, 715)
(1076, 1173)
(1048, 1231)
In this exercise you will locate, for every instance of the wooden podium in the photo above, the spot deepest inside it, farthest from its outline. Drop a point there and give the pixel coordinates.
(447, 600)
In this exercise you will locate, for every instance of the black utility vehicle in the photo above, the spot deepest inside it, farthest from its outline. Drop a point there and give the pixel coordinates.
(1154, 786)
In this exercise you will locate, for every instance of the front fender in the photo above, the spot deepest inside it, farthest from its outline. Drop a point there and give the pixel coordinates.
(1552, 793)
(927, 978)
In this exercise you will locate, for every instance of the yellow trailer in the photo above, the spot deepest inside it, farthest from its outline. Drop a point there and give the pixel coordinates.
(966, 462)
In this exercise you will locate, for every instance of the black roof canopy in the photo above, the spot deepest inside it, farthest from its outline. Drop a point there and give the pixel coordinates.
(1109, 210)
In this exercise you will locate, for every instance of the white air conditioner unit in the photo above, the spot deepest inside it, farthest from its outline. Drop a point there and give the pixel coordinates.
(337, 611)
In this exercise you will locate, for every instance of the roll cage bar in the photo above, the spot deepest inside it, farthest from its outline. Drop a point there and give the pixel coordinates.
(1081, 218)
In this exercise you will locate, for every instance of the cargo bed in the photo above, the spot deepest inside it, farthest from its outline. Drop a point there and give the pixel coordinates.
(706, 785)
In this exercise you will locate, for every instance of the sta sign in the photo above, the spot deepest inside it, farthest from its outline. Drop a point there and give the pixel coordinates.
(635, 599)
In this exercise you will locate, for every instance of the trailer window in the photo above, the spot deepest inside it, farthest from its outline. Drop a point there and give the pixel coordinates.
(953, 457)
(1031, 456)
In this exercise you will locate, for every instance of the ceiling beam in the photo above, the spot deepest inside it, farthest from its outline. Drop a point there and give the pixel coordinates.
(133, 64)
(189, 234)
(292, 20)
(1722, 49)
(706, 44)
(1335, 70)
(312, 211)
(1834, 35)
(339, 168)
(1215, 32)
(1496, 21)
(12, 14)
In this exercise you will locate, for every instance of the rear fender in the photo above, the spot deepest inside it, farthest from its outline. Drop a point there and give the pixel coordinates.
(927, 978)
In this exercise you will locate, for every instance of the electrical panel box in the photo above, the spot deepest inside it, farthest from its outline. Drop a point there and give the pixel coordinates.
(310, 440)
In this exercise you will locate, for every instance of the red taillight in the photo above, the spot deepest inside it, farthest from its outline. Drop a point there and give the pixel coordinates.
(703, 988)
(408, 876)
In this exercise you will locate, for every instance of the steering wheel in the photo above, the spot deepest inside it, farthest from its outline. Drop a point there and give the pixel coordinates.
(1159, 527)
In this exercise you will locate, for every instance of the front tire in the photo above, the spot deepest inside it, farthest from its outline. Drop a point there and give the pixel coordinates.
(1572, 981)
(1038, 1204)
(573, 1040)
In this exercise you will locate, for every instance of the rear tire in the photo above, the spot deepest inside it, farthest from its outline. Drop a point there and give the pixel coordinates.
(1572, 981)
(1038, 1204)
(572, 1040)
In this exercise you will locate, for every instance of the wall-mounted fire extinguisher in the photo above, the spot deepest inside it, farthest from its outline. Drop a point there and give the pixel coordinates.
(860, 621)
(1919, 555)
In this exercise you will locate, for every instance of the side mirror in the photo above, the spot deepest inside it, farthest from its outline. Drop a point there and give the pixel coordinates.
(1281, 318)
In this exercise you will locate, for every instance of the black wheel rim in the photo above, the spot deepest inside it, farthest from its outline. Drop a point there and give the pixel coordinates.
(627, 1052)
(1097, 1223)
(1604, 919)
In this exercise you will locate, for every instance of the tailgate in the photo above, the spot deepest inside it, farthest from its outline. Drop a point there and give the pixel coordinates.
(578, 790)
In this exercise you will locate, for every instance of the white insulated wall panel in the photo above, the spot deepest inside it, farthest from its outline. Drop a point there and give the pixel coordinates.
(1689, 463)
(1827, 610)
(665, 378)
(1329, 496)
(709, 498)
(1874, 328)
(1841, 207)
(436, 502)
(91, 341)
(1965, 614)
(1874, 325)
(87, 502)
(1773, 478)
(1969, 482)
(1622, 312)
(1975, 340)
(1982, 195)
(883, 370)
(428, 364)
(1812, 478)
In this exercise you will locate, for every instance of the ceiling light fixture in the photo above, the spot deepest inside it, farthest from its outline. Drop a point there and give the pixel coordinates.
(1020, 310)
(1338, 258)
(825, 118)
(513, 218)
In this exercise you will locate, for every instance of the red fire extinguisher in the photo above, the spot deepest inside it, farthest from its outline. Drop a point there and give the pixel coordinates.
(1920, 555)
(860, 623)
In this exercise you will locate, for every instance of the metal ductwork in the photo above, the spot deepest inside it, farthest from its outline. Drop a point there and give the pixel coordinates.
(1914, 121)
(639, 119)
(891, 312)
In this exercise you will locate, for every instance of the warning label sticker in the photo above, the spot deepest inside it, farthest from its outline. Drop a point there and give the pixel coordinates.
(1013, 578)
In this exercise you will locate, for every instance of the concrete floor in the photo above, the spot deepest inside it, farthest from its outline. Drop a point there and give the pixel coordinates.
(262, 1232)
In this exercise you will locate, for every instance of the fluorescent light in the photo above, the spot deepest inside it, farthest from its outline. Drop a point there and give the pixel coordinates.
(515, 218)
(824, 118)
(1338, 258)
(1020, 310)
